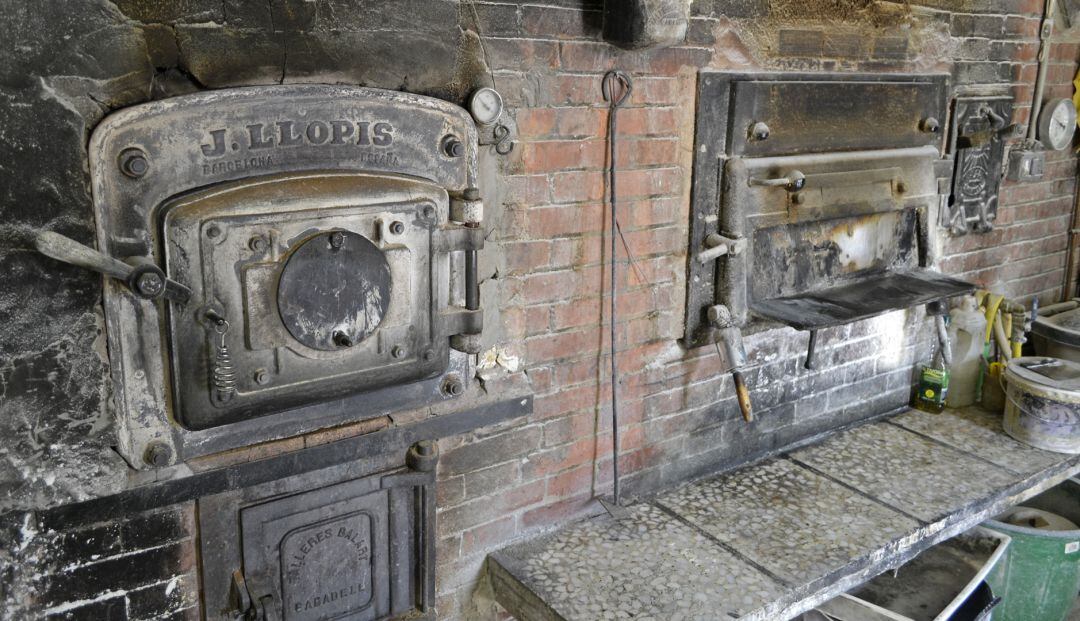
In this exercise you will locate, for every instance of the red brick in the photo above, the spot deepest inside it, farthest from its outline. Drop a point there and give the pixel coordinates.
(648, 182)
(560, 512)
(573, 426)
(566, 401)
(559, 23)
(575, 90)
(577, 251)
(551, 461)
(555, 156)
(535, 122)
(487, 537)
(647, 152)
(564, 220)
(526, 256)
(579, 187)
(647, 122)
(526, 189)
(581, 122)
(574, 482)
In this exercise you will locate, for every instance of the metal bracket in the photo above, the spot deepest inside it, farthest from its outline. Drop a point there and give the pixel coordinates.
(717, 246)
(457, 238)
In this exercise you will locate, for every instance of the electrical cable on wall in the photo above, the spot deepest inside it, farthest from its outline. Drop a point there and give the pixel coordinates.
(617, 88)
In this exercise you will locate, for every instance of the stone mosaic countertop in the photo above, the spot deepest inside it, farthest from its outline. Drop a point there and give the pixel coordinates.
(774, 539)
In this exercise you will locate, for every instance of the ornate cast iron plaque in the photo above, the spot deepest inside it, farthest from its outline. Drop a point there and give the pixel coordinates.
(979, 130)
(324, 545)
(304, 236)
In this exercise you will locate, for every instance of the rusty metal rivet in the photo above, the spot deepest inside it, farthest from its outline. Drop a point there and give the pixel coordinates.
(133, 162)
(798, 199)
(452, 147)
(342, 340)
(337, 240)
(150, 284)
(157, 454)
(397, 227)
(213, 231)
(262, 377)
(258, 243)
(930, 125)
(760, 131)
(398, 351)
(452, 386)
(429, 355)
(901, 186)
(429, 212)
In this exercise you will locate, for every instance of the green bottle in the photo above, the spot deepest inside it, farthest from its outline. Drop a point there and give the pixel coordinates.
(932, 390)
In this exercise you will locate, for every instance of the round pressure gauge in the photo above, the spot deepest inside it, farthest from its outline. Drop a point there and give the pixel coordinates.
(486, 105)
(1057, 123)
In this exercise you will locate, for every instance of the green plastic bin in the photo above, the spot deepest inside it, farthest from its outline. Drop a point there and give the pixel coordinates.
(1039, 578)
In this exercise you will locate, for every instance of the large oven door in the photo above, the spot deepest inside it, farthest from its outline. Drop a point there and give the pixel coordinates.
(305, 287)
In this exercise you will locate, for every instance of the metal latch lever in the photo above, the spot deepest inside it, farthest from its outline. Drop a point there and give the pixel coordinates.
(794, 182)
(144, 279)
(717, 246)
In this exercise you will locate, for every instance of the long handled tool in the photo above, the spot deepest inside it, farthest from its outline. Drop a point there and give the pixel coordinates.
(617, 88)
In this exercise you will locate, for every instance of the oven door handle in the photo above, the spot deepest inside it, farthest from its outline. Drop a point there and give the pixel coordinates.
(794, 182)
(141, 276)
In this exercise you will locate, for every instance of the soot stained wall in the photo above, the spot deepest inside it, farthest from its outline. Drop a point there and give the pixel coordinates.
(67, 64)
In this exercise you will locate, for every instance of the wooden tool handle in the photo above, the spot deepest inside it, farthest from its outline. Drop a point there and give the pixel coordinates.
(743, 396)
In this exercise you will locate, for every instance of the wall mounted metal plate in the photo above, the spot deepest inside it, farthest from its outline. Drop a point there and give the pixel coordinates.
(980, 128)
(241, 196)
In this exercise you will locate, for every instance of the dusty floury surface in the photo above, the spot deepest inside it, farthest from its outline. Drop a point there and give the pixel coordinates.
(871, 11)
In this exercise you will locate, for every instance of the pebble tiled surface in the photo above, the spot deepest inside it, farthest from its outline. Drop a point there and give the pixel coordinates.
(645, 566)
(919, 476)
(979, 432)
(761, 542)
(795, 523)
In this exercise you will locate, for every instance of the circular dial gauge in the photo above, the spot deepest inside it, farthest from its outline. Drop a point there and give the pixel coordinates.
(486, 105)
(1057, 123)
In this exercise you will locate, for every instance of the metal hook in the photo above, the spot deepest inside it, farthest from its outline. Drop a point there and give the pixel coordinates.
(611, 78)
(503, 144)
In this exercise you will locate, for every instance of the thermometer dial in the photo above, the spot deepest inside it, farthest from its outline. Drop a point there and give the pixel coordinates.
(486, 106)
(1057, 123)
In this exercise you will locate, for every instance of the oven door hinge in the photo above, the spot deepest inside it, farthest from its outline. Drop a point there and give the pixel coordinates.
(242, 607)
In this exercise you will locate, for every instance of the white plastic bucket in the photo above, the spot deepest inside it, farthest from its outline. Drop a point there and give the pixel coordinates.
(1042, 404)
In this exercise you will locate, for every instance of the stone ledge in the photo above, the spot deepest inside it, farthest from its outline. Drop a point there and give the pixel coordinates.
(377, 449)
(774, 539)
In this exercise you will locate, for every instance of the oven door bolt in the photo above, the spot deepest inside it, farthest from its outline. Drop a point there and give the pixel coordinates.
(734, 352)
(717, 246)
(141, 276)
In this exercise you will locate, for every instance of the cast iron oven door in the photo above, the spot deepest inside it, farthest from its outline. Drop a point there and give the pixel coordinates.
(328, 275)
(324, 241)
(328, 544)
(812, 198)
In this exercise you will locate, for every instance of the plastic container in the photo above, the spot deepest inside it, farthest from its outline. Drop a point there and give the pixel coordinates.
(1058, 336)
(945, 583)
(967, 333)
(1042, 403)
(1040, 575)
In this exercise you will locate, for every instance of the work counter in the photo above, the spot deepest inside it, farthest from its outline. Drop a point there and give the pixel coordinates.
(776, 538)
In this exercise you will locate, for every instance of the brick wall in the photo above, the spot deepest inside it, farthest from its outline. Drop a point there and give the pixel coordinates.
(138, 568)
(679, 417)
(545, 264)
